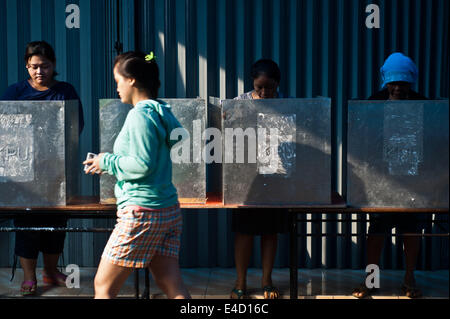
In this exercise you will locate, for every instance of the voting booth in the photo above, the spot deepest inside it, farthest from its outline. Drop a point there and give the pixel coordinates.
(276, 152)
(39, 163)
(397, 154)
(189, 174)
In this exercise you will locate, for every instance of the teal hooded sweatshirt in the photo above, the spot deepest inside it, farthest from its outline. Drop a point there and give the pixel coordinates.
(141, 160)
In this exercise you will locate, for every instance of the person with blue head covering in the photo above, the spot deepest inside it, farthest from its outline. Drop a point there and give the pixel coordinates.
(398, 74)
(398, 68)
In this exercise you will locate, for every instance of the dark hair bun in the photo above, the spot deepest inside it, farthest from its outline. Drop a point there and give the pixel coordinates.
(133, 65)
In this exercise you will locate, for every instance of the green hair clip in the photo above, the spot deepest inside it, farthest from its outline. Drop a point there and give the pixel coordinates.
(150, 57)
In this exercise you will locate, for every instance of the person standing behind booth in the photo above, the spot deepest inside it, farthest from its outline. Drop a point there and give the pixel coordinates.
(267, 223)
(40, 62)
(398, 74)
(149, 223)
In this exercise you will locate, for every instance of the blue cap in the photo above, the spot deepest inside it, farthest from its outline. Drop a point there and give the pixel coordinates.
(398, 67)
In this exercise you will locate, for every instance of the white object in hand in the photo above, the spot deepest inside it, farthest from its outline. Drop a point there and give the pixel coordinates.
(89, 156)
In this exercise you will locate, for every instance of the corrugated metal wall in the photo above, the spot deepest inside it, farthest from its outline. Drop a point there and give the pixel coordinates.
(205, 48)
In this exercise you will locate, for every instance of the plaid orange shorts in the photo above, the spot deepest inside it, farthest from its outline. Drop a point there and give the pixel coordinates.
(141, 233)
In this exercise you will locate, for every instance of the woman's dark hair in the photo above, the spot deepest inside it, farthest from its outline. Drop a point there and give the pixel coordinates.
(266, 67)
(41, 48)
(133, 65)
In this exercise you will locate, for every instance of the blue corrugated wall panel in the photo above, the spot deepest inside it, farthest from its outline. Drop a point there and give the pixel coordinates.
(205, 48)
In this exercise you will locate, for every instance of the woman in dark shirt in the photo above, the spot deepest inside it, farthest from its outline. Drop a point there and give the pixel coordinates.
(398, 73)
(40, 62)
(267, 223)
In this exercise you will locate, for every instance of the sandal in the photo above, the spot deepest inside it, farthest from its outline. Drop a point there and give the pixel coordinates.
(28, 287)
(362, 291)
(270, 292)
(238, 294)
(58, 279)
(411, 291)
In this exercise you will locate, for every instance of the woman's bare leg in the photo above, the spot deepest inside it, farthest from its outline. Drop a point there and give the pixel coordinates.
(243, 245)
(29, 268)
(109, 279)
(167, 275)
(268, 253)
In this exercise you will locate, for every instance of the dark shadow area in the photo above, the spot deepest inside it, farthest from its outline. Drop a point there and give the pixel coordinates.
(337, 247)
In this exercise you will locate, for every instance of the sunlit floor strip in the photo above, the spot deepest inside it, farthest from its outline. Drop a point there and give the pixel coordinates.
(217, 283)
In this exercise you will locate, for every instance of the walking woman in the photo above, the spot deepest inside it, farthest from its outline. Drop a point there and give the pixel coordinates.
(149, 223)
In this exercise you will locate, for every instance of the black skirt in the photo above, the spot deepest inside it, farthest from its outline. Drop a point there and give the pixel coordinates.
(29, 244)
(260, 221)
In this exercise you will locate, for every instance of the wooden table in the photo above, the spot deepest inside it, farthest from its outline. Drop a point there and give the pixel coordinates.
(89, 207)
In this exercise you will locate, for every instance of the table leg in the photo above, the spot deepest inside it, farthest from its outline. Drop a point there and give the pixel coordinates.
(136, 283)
(293, 256)
(146, 294)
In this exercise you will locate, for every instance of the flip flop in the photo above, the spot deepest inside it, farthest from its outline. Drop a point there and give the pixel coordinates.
(411, 291)
(363, 290)
(240, 294)
(28, 287)
(58, 279)
(270, 292)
